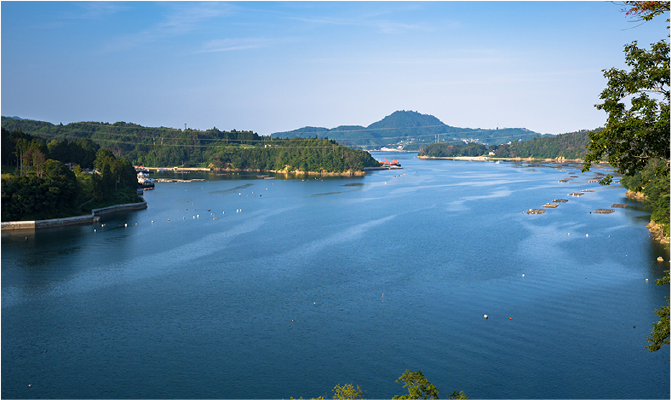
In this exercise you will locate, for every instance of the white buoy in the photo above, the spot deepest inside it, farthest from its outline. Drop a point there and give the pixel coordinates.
(125, 225)
(486, 316)
(587, 235)
(522, 275)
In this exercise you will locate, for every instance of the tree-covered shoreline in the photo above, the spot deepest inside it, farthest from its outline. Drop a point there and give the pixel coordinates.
(167, 147)
(572, 146)
(42, 186)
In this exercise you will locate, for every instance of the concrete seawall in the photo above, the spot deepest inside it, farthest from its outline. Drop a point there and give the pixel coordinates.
(50, 223)
(120, 207)
(80, 220)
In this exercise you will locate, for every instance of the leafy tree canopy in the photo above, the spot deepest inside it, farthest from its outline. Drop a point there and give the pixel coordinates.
(660, 332)
(645, 10)
(347, 392)
(637, 103)
(418, 386)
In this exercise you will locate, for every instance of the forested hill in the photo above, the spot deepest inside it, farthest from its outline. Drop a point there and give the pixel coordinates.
(140, 144)
(408, 129)
(167, 147)
(568, 145)
(571, 145)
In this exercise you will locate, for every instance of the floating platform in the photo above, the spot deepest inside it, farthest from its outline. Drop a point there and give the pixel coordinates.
(550, 205)
(563, 181)
(618, 205)
(604, 211)
(587, 190)
(535, 211)
(576, 194)
(593, 181)
(559, 201)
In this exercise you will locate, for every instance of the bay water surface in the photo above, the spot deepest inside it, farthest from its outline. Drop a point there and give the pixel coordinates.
(241, 287)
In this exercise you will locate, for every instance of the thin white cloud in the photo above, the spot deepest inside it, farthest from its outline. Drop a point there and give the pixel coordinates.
(221, 45)
(92, 10)
(382, 26)
(181, 19)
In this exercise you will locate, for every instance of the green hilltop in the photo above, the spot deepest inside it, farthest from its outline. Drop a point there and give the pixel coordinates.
(411, 130)
(213, 148)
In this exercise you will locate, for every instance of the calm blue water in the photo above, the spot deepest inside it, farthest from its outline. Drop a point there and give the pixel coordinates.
(345, 280)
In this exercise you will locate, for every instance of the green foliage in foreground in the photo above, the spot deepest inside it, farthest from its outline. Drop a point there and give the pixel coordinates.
(636, 136)
(660, 331)
(418, 388)
(417, 385)
(653, 182)
(637, 104)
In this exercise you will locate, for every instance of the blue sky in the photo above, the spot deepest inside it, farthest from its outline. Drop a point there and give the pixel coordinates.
(276, 66)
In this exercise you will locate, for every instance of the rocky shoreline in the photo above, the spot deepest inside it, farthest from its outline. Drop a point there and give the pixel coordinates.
(656, 230)
(490, 158)
(636, 196)
(349, 172)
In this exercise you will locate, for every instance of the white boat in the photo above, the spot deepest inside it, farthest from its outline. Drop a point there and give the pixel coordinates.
(144, 181)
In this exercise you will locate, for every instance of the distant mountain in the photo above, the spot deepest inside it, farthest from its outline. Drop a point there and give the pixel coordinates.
(409, 129)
